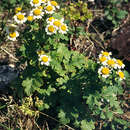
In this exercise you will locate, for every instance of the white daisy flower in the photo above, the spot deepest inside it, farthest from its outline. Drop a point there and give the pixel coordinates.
(13, 35)
(63, 28)
(20, 18)
(44, 59)
(37, 13)
(35, 3)
(54, 3)
(104, 71)
(50, 29)
(49, 9)
(50, 20)
(119, 64)
(111, 62)
(102, 60)
(105, 53)
(57, 23)
(121, 75)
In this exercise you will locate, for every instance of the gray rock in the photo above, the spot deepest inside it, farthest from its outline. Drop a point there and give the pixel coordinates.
(7, 74)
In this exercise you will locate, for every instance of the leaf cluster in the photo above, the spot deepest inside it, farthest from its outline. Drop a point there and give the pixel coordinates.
(11, 4)
(70, 85)
(114, 13)
(77, 11)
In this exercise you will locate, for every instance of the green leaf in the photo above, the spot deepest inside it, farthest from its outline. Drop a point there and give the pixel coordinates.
(35, 26)
(60, 81)
(107, 12)
(27, 84)
(63, 37)
(12, 1)
(49, 90)
(76, 123)
(114, 22)
(40, 91)
(37, 82)
(102, 116)
(122, 122)
(63, 118)
(90, 100)
(57, 16)
(77, 60)
(109, 17)
(109, 115)
(75, 115)
(127, 75)
(121, 14)
(87, 125)
(113, 127)
(23, 50)
(119, 111)
(46, 106)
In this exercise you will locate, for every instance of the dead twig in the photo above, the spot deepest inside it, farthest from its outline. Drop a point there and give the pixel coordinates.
(47, 126)
(37, 125)
(100, 36)
(8, 53)
(56, 120)
(92, 45)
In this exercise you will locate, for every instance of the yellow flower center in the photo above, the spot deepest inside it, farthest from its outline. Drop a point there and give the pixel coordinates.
(18, 9)
(54, 3)
(57, 23)
(111, 62)
(51, 28)
(102, 59)
(30, 18)
(49, 8)
(119, 62)
(40, 7)
(37, 12)
(35, 1)
(44, 58)
(63, 28)
(12, 35)
(105, 71)
(50, 19)
(121, 74)
(105, 53)
(20, 17)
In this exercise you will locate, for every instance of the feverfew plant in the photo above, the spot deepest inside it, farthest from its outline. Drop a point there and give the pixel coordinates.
(40, 8)
(110, 65)
(77, 89)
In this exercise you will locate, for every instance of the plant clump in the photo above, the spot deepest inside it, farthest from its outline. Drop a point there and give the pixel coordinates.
(59, 83)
